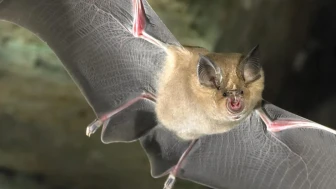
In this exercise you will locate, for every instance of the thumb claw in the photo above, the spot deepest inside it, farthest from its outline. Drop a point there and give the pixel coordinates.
(169, 184)
(93, 127)
(88, 131)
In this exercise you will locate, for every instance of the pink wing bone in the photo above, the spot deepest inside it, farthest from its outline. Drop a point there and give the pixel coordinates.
(96, 124)
(138, 31)
(169, 184)
(139, 24)
(284, 124)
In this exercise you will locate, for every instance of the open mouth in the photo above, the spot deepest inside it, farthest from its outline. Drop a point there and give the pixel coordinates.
(235, 106)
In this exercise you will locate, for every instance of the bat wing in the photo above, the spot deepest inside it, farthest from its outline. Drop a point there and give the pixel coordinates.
(250, 156)
(93, 40)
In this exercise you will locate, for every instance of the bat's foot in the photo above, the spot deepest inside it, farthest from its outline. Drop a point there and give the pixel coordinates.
(93, 127)
(169, 184)
(139, 24)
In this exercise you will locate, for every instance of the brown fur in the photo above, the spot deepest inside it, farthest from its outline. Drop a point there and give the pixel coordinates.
(191, 110)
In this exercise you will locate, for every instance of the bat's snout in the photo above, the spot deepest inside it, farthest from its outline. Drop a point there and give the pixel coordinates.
(235, 104)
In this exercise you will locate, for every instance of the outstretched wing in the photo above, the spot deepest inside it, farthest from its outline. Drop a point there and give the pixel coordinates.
(94, 41)
(250, 156)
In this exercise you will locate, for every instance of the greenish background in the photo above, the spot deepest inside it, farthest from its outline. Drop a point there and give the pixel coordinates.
(43, 115)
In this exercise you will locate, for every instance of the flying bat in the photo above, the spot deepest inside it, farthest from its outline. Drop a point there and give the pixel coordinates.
(198, 115)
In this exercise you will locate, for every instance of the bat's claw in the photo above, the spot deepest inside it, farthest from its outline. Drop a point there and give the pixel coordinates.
(169, 184)
(93, 127)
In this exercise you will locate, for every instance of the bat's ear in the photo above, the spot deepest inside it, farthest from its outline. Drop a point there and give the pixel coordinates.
(250, 66)
(208, 72)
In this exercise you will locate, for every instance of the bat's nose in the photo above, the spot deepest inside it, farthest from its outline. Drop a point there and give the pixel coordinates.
(234, 93)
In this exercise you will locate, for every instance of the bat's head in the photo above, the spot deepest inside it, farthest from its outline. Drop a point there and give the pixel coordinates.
(234, 82)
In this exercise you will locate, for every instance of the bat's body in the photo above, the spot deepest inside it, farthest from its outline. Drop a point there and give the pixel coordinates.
(193, 105)
(124, 60)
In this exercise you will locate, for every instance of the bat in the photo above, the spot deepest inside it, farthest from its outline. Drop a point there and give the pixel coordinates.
(117, 51)
(214, 90)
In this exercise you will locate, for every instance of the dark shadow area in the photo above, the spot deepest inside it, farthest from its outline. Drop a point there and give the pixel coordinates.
(309, 86)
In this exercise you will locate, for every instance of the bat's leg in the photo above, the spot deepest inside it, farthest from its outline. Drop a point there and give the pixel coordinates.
(172, 176)
(139, 24)
(284, 124)
(96, 124)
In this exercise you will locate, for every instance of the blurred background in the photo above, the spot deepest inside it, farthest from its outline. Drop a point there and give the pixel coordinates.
(43, 115)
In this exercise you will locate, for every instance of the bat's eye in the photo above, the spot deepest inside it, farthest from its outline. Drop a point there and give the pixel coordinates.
(225, 94)
(241, 92)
